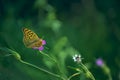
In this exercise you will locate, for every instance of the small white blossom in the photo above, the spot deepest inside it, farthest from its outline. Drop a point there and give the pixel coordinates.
(77, 58)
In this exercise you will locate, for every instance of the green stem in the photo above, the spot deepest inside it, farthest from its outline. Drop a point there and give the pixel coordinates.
(109, 76)
(89, 74)
(73, 75)
(18, 57)
(43, 70)
(47, 56)
(52, 60)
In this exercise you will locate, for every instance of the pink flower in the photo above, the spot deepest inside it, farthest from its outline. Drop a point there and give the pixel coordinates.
(41, 47)
(99, 62)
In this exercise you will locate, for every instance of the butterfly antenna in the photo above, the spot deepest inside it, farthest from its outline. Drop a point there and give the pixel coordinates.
(23, 28)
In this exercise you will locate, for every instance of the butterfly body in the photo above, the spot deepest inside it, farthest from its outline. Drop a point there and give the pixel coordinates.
(30, 39)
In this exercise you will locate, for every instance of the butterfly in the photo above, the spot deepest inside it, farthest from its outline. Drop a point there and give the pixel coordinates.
(31, 40)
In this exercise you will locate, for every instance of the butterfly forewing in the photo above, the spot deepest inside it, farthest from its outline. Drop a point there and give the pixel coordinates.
(31, 39)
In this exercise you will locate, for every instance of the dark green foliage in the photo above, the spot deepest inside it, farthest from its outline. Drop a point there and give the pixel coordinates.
(91, 27)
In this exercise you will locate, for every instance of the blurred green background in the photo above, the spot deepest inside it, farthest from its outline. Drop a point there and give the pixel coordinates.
(90, 27)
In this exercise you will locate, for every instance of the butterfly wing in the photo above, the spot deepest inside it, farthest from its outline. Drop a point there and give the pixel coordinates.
(31, 39)
(36, 44)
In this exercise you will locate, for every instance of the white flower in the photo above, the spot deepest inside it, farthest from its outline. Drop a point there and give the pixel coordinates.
(77, 58)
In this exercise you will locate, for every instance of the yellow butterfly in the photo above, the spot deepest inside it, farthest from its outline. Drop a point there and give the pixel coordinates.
(31, 40)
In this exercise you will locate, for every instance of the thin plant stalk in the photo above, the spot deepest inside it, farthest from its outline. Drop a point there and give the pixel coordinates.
(88, 73)
(52, 60)
(109, 76)
(43, 70)
(73, 75)
(48, 56)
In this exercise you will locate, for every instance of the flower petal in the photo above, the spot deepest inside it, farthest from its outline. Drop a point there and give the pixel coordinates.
(99, 62)
(43, 42)
(41, 48)
(77, 58)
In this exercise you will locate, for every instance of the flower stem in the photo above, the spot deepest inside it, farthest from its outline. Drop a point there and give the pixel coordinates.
(56, 62)
(43, 70)
(109, 76)
(88, 73)
(73, 75)
(48, 56)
